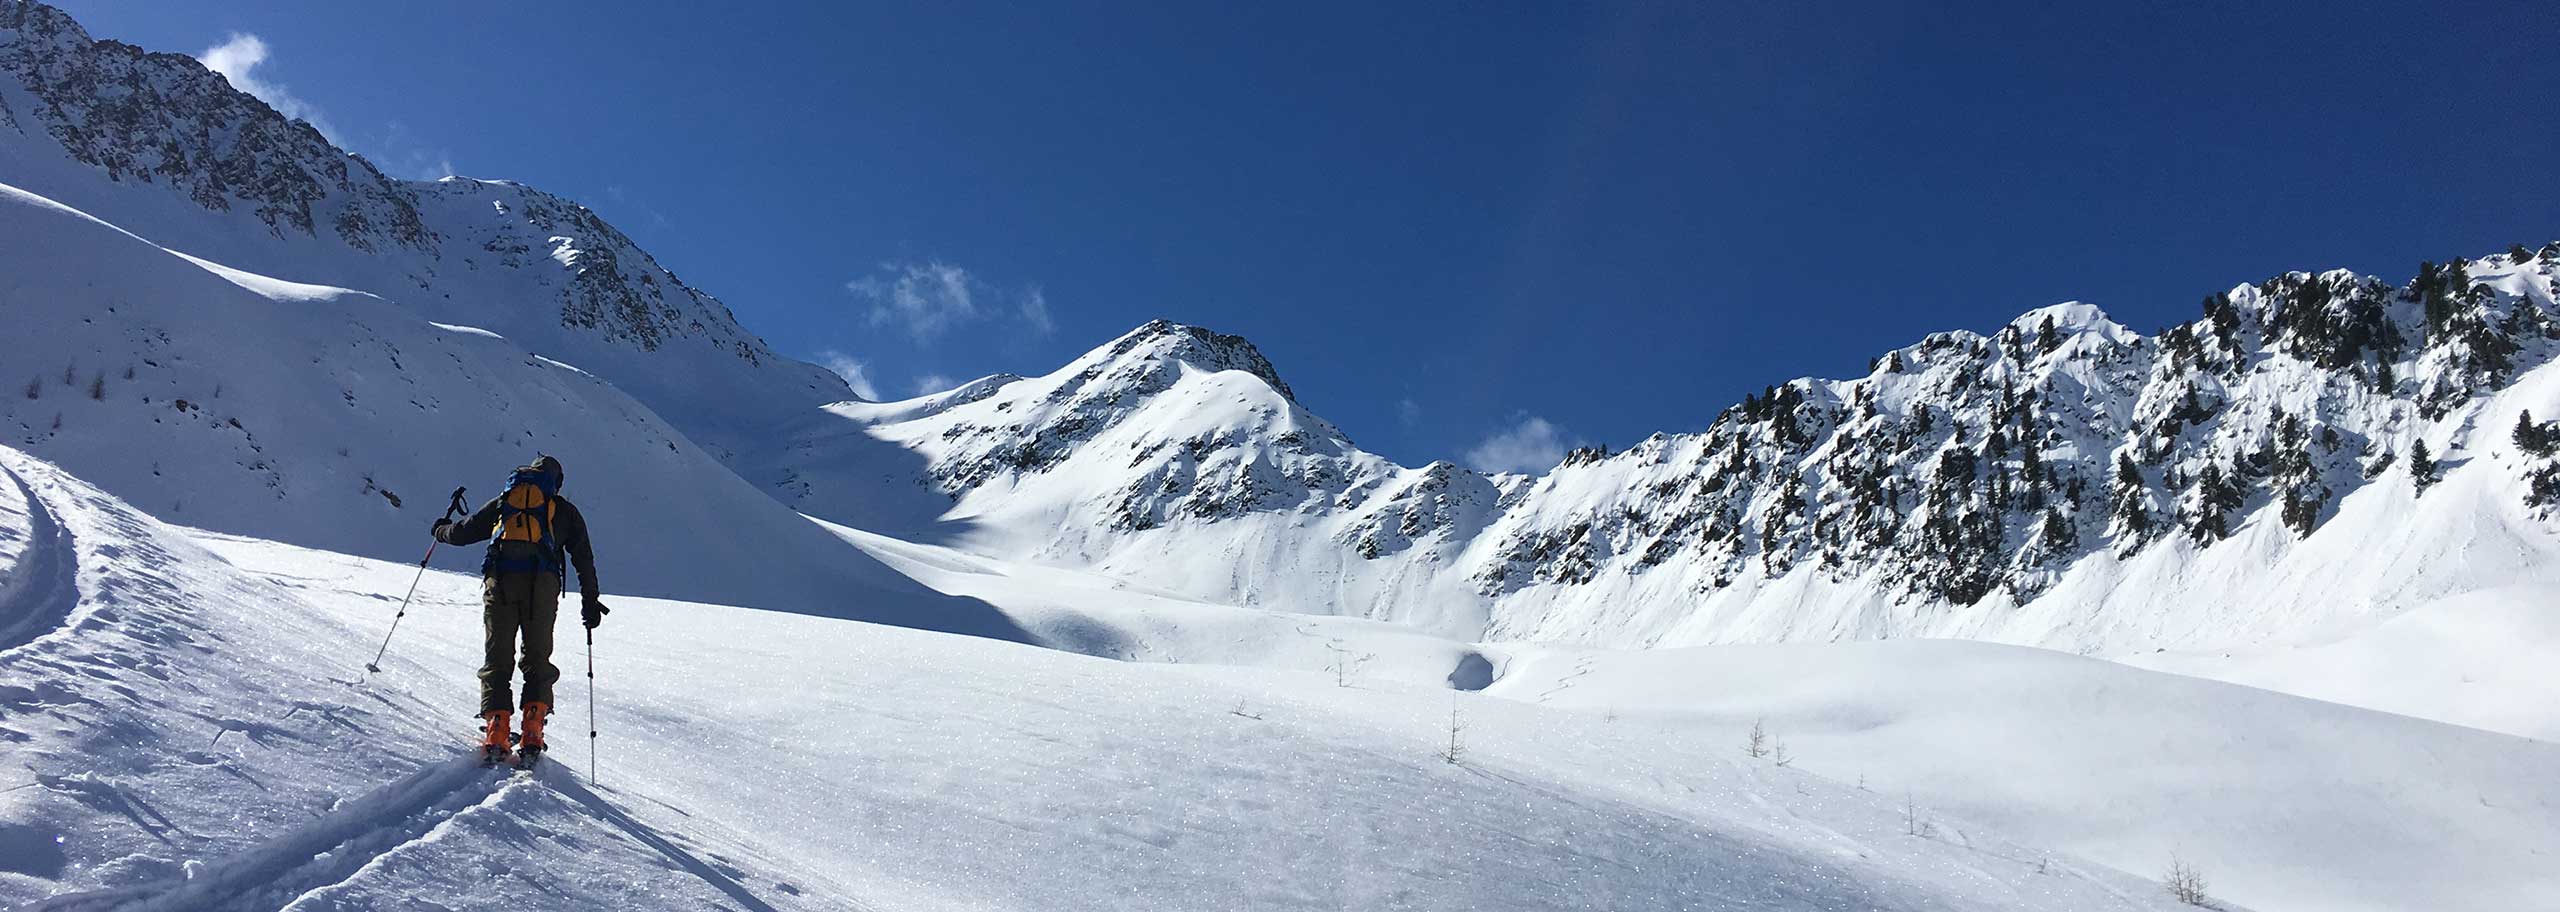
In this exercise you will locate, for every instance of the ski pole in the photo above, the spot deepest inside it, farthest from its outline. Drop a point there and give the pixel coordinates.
(376, 665)
(591, 704)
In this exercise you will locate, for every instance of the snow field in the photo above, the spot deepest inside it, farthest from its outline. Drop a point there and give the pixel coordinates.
(768, 760)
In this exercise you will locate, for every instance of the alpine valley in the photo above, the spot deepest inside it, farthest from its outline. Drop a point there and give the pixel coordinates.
(2035, 610)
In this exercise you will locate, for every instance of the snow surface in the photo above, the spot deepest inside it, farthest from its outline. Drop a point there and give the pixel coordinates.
(198, 734)
(2285, 802)
(2482, 659)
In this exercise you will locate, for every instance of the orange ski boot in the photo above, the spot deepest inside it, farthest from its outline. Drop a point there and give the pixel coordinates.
(496, 729)
(532, 745)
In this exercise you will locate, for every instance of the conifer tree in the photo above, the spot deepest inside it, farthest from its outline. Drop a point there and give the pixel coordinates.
(2422, 466)
(2058, 535)
(2530, 437)
(2127, 502)
(2215, 497)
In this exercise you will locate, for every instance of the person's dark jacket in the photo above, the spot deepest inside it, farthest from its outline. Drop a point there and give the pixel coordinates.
(568, 535)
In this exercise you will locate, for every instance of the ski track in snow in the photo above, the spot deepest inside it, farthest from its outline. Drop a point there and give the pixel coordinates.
(38, 593)
(315, 855)
(325, 864)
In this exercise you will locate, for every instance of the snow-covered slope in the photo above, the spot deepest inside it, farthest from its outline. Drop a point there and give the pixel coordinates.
(197, 736)
(2064, 482)
(239, 402)
(160, 145)
(2283, 802)
(2481, 659)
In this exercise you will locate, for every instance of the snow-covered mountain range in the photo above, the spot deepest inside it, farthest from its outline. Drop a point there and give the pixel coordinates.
(241, 368)
(2063, 481)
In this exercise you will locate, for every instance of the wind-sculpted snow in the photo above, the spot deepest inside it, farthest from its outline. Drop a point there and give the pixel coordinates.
(36, 565)
(2009, 486)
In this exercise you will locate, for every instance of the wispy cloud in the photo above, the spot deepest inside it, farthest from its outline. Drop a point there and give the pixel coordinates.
(855, 373)
(1035, 311)
(1531, 444)
(402, 153)
(398, 151)
(930, 384)
(1408, 412)
(238, 57)
(631, 202)
(929, 299)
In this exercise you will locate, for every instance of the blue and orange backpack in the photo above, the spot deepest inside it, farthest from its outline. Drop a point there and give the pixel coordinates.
(525, 515)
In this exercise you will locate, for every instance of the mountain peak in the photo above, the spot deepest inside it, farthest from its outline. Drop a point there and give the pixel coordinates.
(1197, 346)
(2073, 318)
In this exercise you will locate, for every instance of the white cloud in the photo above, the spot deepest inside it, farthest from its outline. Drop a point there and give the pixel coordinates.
(933, 298)
(930, 384)
(237, 58)
(925, 298)
(1408, 412)
(856, 374)
(1532, 445)
(1035, 311)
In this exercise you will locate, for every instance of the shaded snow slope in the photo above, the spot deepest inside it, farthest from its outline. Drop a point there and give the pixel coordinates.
(2285, 803)
(234, 401)
(196, 737)
(158, 143)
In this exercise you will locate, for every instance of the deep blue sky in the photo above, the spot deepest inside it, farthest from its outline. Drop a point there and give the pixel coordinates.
(1442, 221)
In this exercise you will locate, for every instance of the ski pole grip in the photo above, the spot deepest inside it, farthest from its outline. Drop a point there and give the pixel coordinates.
(456, 506)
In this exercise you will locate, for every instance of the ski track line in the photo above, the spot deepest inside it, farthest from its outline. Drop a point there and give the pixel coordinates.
(44, 586)
(311, 861)
(393, 848)
(271, 873)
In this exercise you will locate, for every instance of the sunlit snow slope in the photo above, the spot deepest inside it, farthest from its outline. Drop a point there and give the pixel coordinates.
(195, 735)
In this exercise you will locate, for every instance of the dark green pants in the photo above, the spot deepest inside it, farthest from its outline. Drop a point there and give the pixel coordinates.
(512, 603)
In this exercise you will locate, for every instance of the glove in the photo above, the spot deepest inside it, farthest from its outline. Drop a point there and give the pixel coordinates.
(593, 612)
(438, 529)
